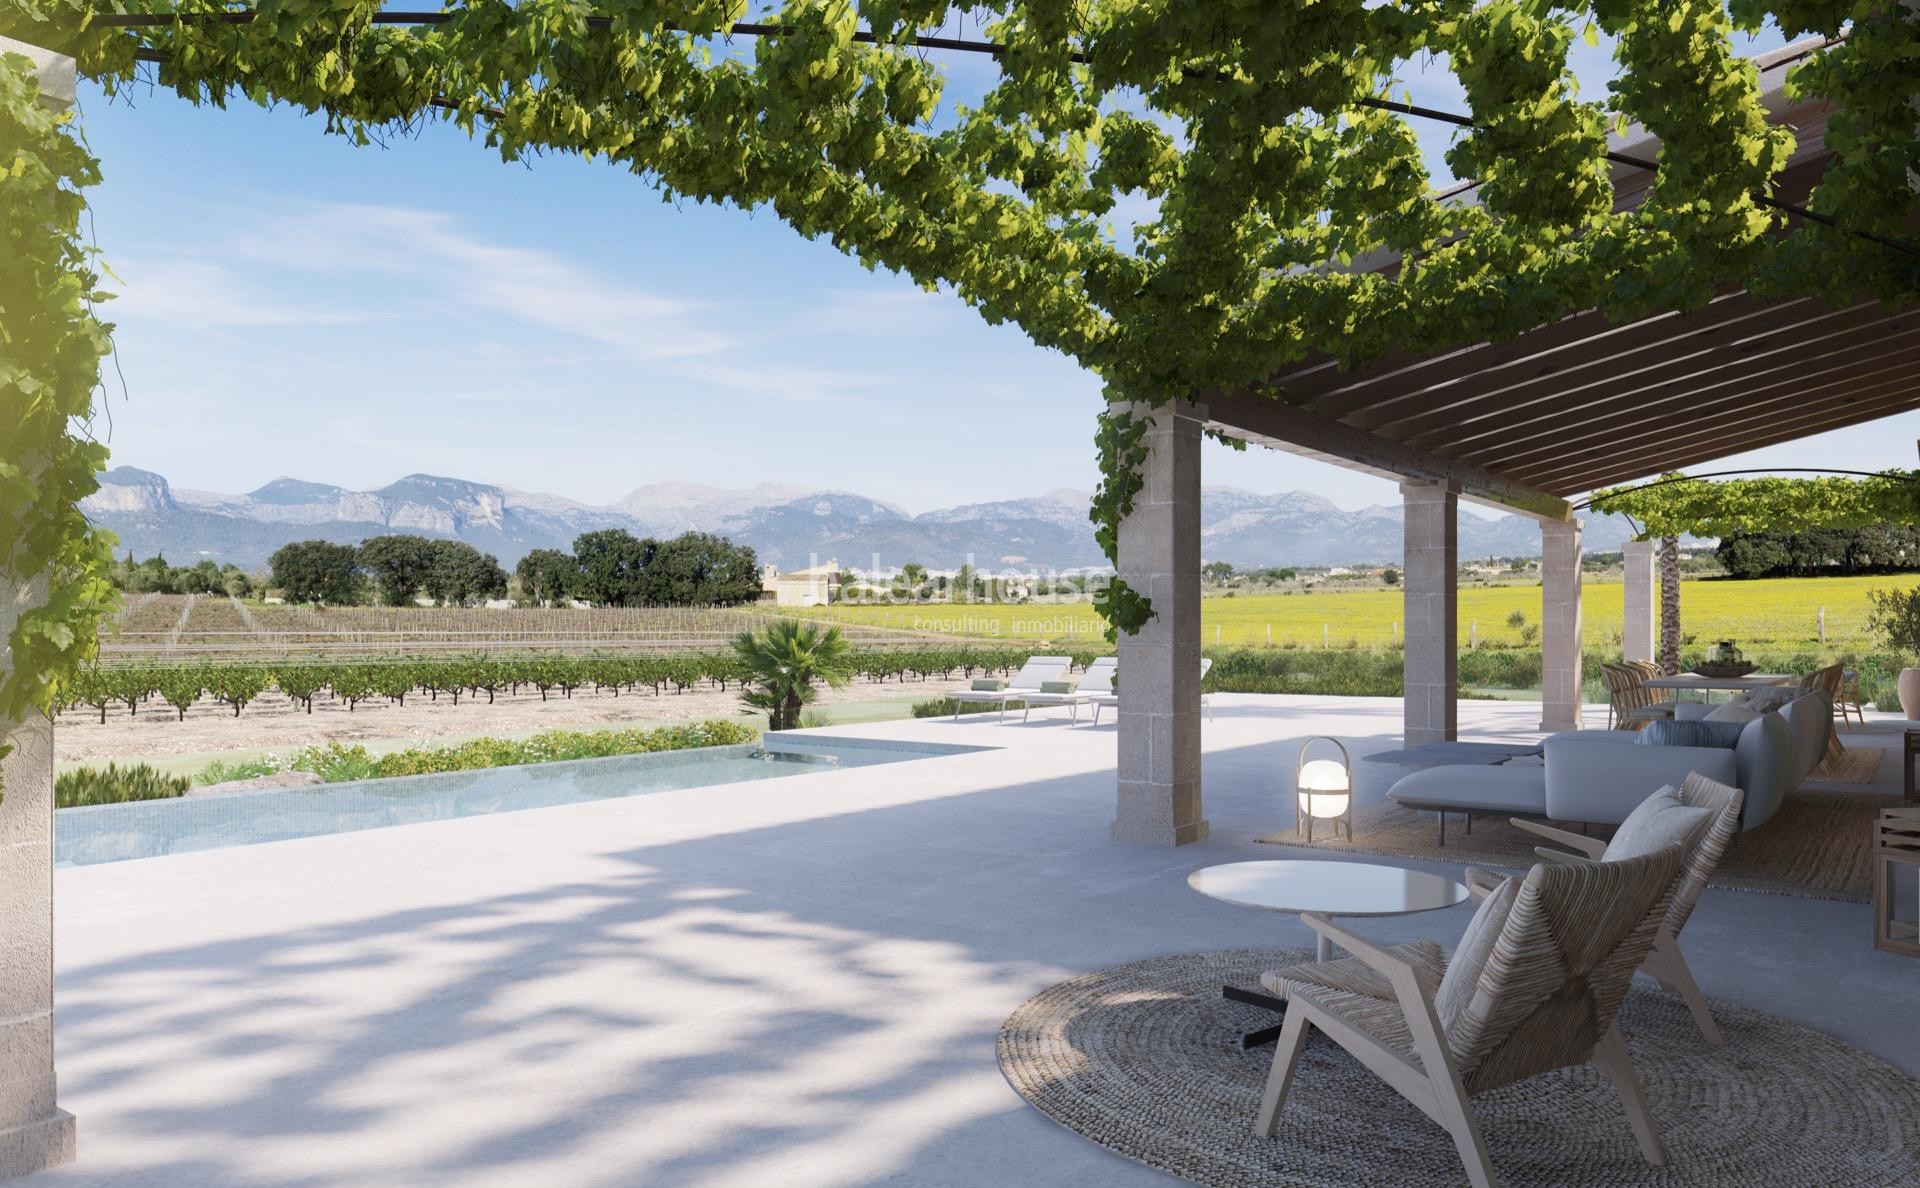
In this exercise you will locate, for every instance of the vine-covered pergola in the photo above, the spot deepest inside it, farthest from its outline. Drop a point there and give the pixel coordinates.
(1676, 505)
(1625, 283)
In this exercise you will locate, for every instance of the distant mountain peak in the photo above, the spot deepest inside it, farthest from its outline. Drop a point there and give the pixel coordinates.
(788, 526)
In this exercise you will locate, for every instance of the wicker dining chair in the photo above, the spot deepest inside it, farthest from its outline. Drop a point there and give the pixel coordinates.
(1720, 825)
(1847, 700)
(1533, 986)
(1828, 680)
(1630, 704)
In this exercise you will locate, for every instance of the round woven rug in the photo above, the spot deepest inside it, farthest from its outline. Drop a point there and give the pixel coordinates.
(1145, 1060)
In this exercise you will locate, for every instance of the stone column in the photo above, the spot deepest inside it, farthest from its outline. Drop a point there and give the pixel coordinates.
(1636, 636)
(35, 1133)
(1560, 625)
(1431, 581)
(1159, 765)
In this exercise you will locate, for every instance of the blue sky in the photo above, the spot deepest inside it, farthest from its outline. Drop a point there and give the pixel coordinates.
(293, 305)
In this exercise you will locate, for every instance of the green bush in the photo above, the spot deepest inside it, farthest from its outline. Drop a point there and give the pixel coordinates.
(335, 763)
(942, 707)
(114, 784)
(221, 771)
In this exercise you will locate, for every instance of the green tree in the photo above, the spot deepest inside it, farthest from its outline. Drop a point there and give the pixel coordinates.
(612, 567)
(318, 571)
(398, 564)
(458, 573)
(1390, 576)
(1217, 571)
(781, 667)
(701, 569)
(547, 575)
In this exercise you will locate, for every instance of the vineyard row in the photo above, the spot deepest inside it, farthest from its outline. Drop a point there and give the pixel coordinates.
(180, 686)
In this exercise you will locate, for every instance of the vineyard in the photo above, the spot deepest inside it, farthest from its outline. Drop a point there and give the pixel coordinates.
(167, 628)
(178, 688)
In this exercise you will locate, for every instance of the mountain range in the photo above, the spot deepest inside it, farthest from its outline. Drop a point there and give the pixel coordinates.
(787, 526)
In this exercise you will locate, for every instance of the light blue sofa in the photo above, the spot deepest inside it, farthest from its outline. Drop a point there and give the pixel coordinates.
(1599, 776)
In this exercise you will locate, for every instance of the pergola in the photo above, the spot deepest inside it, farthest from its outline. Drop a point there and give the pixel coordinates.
(1522, 425)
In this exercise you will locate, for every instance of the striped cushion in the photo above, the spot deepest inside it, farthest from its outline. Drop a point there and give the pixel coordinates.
(1693, 733)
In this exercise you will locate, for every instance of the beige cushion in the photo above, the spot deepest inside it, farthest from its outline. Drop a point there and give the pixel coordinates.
(1471, 954)
(1732, 711)
(1659, 821)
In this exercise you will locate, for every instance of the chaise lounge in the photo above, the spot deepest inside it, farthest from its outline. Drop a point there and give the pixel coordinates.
(1597, 777)
(1035, 673)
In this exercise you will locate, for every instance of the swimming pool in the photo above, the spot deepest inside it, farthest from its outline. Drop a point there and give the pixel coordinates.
(151, 828)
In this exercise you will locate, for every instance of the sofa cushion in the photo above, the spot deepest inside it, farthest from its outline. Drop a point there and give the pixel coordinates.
(1471, 954)
(1701, 733)
(1732, 711)
(1769, 699)
(1474, 787)
(1659, 821)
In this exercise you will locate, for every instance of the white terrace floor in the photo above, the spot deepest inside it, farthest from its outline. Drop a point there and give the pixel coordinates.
(792, 982)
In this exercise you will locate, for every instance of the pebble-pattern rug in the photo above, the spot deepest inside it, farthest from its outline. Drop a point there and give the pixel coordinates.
(1145, 1060)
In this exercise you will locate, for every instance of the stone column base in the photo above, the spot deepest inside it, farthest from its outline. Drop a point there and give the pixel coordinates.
(37, 1146)
(1145, 834)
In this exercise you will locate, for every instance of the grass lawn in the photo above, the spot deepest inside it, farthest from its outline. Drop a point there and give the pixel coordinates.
(1777, 611)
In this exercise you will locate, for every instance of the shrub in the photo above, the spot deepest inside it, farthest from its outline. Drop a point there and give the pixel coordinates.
(942, 707)
(1896, 617)
(114, 784)
(335, 763)
(221, 771)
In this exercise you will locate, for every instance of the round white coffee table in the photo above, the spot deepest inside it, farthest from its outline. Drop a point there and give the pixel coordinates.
(1329, 888)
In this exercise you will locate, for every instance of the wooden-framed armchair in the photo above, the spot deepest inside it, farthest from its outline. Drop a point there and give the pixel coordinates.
(1721, 806)
(1533, 986)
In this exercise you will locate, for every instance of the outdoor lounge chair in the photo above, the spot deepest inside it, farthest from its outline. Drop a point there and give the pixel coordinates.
(1532, 987)
(1035, 672)
(1096, 681)
(1664, 961)
(1103, 700)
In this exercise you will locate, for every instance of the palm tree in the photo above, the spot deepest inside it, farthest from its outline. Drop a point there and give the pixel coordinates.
(782, 666)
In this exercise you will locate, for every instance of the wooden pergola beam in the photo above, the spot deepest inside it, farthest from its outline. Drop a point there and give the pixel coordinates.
(1707, 443)
(1266, 421)
(1837, 377)
(1648, 362)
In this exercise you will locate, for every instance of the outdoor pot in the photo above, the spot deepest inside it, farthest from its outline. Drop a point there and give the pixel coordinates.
(1909, 687)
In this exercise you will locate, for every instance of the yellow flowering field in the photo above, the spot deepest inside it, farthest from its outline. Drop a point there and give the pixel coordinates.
(1774, 611)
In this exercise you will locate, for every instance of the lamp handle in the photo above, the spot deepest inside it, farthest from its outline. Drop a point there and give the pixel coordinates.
(1300, 762)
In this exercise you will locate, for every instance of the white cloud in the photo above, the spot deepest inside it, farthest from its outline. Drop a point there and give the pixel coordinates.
(446, 267)
(182, 291)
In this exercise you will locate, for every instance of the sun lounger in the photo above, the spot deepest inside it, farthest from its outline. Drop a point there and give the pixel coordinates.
(1095, 682)
(1035, 672)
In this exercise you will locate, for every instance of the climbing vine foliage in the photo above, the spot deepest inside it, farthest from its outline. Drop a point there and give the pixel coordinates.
(50, 349)
(1242, 139)
(1676, 505)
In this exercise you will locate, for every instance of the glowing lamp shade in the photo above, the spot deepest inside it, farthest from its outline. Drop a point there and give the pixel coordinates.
(1324, 788)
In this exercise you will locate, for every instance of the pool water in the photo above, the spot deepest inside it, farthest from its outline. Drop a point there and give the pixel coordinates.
(150, 828)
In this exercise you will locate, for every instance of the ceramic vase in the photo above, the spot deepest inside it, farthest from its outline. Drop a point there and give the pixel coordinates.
(1909, 687)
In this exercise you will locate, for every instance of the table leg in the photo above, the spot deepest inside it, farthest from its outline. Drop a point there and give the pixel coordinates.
(1265, 1035)
(1906, 764)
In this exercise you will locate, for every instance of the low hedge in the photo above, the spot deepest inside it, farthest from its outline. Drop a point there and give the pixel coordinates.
(114, 784)
(335, 763)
